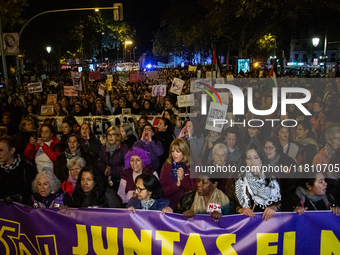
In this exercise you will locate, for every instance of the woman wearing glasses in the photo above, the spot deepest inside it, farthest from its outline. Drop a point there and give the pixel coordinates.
(149, 195)
(111, 156)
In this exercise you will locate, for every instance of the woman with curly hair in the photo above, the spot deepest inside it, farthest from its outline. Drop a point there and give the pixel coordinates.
(91, 191)
(137, 162)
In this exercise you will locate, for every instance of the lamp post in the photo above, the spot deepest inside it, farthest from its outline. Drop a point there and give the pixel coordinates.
(117, 54)
(125, 43)
(315, 42)
(134, 56)
(48, 49)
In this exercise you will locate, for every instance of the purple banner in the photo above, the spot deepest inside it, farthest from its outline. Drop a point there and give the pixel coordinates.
(24, 230)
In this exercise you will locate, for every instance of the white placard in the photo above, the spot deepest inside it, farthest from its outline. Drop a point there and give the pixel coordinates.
(77, 81)
(216, 112)
(34, 87)
(52, 83)
(208, 74)
(186, 100)
(159, 90)
(70, 92)
(101, 90)
(110, 77)
(177, 86)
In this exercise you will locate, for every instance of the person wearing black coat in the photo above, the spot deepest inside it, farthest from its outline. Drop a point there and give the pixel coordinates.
(23, 136)
(88, 140)
(73, 150)
(16, 175)
(165, 134)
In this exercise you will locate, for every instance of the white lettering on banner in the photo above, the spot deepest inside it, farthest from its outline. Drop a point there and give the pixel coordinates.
(186, 100)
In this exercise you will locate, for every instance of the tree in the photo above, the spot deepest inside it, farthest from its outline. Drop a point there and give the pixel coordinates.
(10, 13)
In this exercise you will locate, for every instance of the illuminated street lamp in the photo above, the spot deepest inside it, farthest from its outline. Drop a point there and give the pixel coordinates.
(125, 43)
(315, 41)
(48, 48)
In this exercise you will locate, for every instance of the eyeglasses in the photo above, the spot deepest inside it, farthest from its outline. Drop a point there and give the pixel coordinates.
(111, 135)
(147, 129)
(269, 148)
(139, 190)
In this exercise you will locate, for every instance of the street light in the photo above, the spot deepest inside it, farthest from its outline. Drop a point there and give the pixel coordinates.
(125, 43)
(315, 41)
(48, 48)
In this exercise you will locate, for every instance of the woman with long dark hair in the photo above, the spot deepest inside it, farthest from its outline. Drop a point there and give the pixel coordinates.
(91, 191)
(88, 140)
(254, 191)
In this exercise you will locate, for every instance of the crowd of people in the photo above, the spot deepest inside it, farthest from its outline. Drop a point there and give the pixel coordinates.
(147, 165)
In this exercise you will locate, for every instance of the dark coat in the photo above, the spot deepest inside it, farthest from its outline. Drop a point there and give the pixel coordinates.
(17, 181)
(53, 200)
(22, 139)
(60, 169)
(115, 161)
(158, 205)
(130, 141)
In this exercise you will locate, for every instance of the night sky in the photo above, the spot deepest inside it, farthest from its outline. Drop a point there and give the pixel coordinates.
(143, 15)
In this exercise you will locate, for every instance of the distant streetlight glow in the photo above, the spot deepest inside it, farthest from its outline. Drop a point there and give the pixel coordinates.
(96, 10)
(128, 42)
(315, 41)
(48, 48)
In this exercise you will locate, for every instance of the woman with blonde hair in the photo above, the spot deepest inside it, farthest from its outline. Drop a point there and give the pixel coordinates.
(26, 128)
(112, 155)
(175, 175)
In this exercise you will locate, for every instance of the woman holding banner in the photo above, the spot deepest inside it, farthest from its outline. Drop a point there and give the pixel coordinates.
(175, 176)
(253, 191)
(91, 191)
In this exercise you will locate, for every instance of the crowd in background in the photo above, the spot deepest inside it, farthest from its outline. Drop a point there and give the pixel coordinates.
(147, 165)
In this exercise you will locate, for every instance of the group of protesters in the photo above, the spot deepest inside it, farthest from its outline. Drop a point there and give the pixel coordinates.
(147, 165)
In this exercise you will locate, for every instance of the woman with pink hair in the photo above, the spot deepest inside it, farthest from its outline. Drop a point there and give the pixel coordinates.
(137, 162)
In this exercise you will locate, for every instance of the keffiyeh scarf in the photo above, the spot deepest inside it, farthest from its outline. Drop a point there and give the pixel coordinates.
(147, 204)
(69, 155)
(262, 194)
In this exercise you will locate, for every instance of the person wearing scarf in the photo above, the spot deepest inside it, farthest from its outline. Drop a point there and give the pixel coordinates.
(175, 175)
(209, 200)
(149, 195)
(74, 150)
(311, 195)
(16, 175)
(111, 157)
(88, 140)
(75, 164)
(332, 136)
(253, 191)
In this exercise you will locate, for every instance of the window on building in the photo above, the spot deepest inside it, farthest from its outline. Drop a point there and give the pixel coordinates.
(304, 59)
(296, 58)
(332, 57)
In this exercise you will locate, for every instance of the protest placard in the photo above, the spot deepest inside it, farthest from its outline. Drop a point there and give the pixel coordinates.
(52, 99)
(108, 84)
(186, 100)
(192, 68)
(216, 112)
(161, 81)
(260, 74)
(70, 92)
(33, 78)
(109, 77)
(47, 110)
(208, 74)
(230, 77)
(52, 83)
(152, 75)
(43, 77)
(94, 75)
(77, 81)
(159, 90)
(198, 74)
(101, 90)
(135, 77)
(177, 86)
(34, 87)
(126, 111)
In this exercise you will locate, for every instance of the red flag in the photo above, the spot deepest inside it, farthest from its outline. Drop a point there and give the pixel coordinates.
(272, 75)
